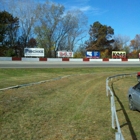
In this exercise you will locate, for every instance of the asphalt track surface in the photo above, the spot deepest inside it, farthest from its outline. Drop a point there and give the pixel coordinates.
(63, 64)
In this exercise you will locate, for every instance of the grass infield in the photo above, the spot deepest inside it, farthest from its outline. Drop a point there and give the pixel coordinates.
(71, 108)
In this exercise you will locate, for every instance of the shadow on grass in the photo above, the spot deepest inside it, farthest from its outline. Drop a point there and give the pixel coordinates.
(128, 122)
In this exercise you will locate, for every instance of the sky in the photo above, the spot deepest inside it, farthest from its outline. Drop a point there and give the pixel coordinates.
(122, 15)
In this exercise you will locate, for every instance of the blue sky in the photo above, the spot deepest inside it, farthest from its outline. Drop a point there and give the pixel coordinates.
(122, 15)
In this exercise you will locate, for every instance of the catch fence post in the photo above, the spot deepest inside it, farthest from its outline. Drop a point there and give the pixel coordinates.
(112, 112)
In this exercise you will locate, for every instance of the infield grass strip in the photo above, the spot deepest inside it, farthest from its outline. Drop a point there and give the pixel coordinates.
(13, 77)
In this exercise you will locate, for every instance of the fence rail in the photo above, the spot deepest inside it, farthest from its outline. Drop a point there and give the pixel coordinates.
(114, 117)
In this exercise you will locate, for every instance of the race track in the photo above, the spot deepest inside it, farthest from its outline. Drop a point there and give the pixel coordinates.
(59, 64)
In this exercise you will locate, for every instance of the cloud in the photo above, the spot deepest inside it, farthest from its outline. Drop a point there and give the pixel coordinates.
(89, 10)
(97, 11)
(85, 8)
(82, 1)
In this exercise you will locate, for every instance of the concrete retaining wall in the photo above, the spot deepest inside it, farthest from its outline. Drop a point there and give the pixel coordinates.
(66, 59)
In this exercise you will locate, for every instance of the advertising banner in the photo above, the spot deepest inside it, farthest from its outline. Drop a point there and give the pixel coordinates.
(36, 52)
(64, 54)
(118, 54)
(93, 54)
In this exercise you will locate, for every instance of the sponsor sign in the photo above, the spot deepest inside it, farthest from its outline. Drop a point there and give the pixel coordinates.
(93, 54)
(118, 54)
(38, 52)
(64, 54)
(139, 55)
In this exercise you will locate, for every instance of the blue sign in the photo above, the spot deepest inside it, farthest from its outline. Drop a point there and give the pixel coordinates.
(93, 54)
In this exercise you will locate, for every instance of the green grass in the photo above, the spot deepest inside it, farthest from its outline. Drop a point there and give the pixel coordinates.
(72, 108)
(12, 77)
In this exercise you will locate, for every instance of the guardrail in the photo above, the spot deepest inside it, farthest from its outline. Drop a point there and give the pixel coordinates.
(114, 117)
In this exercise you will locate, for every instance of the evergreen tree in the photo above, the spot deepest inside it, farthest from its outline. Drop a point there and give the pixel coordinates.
(100, 37)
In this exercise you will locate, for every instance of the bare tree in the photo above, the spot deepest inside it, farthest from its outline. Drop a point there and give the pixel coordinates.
(135, 43)
(27, 18)
(49, 21)
(74, 36)
(120, 42)
(57, 30)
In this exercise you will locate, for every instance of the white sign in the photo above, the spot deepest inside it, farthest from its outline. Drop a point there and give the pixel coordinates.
(64, 54)
(38, 52)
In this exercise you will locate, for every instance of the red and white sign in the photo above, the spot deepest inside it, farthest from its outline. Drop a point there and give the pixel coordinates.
(64, 54)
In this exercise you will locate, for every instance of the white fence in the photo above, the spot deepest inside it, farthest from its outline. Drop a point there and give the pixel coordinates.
(114, 117)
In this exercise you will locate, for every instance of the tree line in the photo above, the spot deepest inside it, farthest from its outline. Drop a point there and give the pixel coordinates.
(48, 25)
(102, 38)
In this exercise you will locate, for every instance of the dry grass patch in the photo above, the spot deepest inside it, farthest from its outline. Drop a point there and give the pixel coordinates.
(75, 107)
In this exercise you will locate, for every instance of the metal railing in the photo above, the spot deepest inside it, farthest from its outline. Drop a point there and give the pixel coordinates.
(114, 117)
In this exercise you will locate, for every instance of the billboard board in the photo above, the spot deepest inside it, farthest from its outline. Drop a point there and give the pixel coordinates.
(36, 52)
(64, 54)
(93, 54)
(118, 54)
